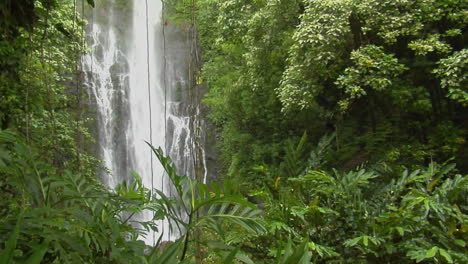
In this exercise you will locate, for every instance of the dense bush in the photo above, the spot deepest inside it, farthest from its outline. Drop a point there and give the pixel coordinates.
(388, 77)
(368, 216)
(386, 80)
(54, 216)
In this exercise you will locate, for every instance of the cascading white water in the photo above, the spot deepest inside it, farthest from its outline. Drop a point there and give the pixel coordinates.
(104, 93)
(136, 83)
(146, 103)
(147, 95)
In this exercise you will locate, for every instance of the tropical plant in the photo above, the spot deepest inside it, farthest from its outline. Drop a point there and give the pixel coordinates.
(196, 210)
(63, 217)
(370, 215)
(59, 217)
(387, 77)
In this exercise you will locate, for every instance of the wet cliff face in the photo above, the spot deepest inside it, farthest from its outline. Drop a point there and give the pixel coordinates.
(138, 73)
(187, 123)
(106, 69)
(180, 109)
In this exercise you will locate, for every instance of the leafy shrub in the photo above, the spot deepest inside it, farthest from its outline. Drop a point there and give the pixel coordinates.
(371, 215)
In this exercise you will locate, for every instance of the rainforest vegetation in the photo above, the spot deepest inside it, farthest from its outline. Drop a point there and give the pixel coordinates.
(341, 128)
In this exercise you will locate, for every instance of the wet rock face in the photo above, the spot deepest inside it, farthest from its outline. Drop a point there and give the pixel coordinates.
(145, 93)
(109, 79)
(185, 141)
(195, 144)
(106, 76)
(121, 116)
(211, 158)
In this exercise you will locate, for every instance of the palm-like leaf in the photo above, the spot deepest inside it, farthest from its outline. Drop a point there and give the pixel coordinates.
(199, 206)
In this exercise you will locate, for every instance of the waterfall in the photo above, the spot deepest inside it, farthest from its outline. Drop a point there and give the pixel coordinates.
(140, 93)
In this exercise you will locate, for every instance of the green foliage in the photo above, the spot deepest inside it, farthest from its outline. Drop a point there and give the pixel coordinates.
(198, 208)
(372, 72)
(299, 255)
(60, 217)
(372, 69)
(315, 53)
(40, 94)
(366, 81)
(244, 55)
(453, 75)
(432, 43)
(371, 216)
